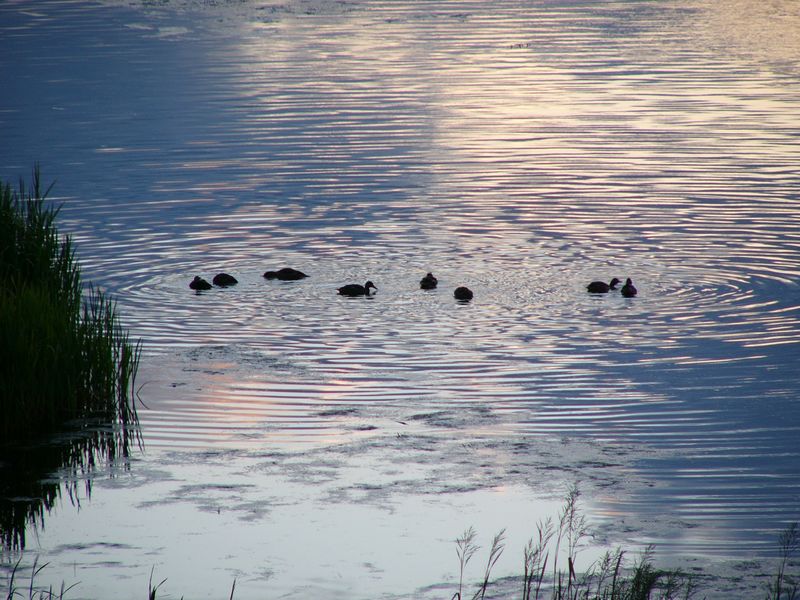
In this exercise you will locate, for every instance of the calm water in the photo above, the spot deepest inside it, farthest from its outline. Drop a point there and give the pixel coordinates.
(305, 443)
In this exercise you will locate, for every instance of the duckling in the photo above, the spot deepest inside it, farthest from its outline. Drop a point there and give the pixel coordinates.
(628, 290)
(601, 287)
(463, 293)
(198, 283)
(429, 282)
(285, 274)
(224, 280)
(353, 289)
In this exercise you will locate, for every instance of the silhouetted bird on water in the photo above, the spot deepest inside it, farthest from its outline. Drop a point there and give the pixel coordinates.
(628, 290)
(462, 293)
(601, 287)
(285, 274)
(428, 282)
(224, 280)
(198, 283)
(353, 289)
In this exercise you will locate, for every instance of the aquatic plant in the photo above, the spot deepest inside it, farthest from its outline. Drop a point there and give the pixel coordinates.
(31, 591)
(785, 586)
(153, 589)
(66, 364)
(607, 579)
(465, 549)
(63, 354)
(536, 556)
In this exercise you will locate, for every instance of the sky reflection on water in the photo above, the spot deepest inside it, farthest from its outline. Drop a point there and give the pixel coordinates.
(523, 151)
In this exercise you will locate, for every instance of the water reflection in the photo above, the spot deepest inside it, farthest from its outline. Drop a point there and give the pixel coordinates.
(34, 478)
(522, 150)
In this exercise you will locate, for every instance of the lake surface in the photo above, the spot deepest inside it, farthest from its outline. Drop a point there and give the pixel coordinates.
(303, 443)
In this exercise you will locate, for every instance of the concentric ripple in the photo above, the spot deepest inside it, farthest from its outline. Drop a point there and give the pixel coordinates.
(521, 149)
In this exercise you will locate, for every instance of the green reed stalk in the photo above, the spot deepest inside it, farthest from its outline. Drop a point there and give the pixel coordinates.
(63, 355)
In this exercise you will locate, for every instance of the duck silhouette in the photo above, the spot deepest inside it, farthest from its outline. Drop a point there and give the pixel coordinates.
(628, 290)
(429, 282)
(285, 274)
(354, 289)
(463, 293)
(198, 283)
(601, 287)
(224, 280)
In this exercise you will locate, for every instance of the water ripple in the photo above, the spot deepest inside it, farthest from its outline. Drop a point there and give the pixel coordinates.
(522, 151)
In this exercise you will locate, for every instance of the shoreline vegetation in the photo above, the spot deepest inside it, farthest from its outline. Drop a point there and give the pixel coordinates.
(546, 577)
(67, 367)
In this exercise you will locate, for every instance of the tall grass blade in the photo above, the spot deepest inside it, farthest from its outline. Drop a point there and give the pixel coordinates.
(66, 363)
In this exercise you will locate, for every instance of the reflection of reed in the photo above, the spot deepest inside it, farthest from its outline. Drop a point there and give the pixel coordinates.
(33, 477)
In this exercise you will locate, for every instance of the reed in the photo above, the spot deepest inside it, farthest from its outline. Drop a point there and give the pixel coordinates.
(544, 575)
(784, 586)
(31, 591)
(63, 355)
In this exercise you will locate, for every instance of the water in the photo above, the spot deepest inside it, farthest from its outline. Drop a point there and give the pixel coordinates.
(302, 442)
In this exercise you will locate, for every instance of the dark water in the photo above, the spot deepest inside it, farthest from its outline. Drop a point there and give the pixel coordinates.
(521, 149)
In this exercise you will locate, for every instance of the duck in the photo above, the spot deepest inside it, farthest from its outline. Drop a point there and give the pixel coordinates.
(601, 287)
(224, 280)
(285, 274)
(463, 293)
(353, 289)
(628, 290)
(429, 282)
(198, 283)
